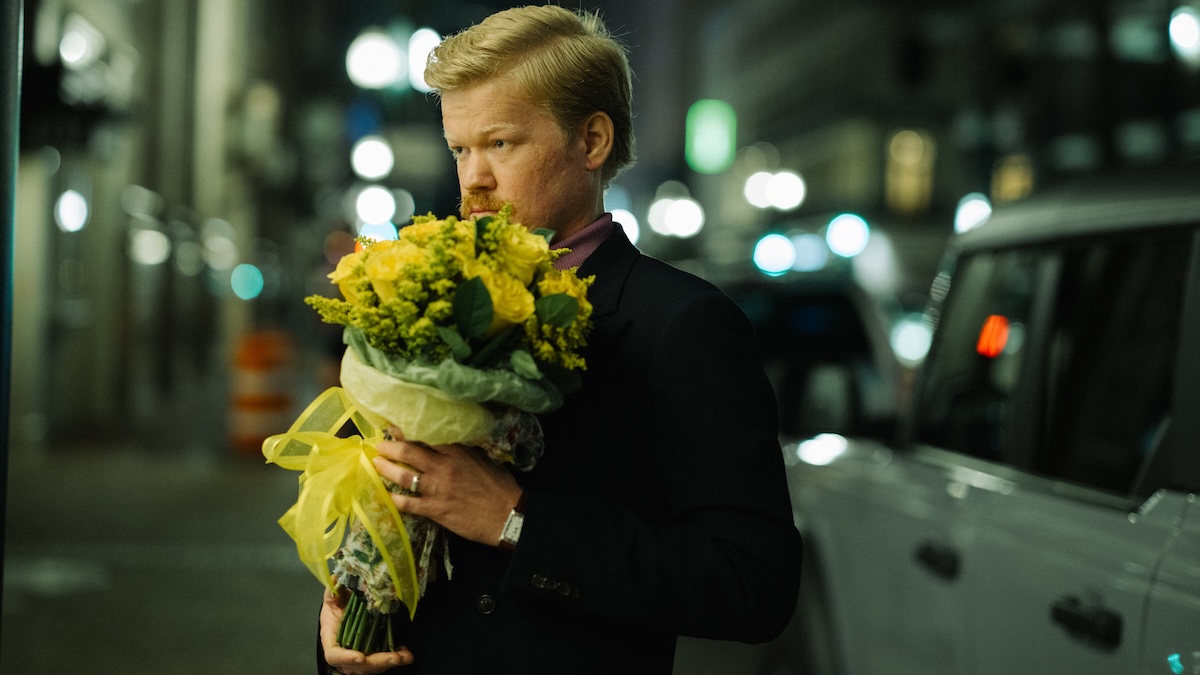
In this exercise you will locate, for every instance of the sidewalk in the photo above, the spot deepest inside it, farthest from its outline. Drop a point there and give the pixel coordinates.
(125, 560)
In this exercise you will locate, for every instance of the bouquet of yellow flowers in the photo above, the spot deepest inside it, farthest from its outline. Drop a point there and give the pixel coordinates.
(457, 332)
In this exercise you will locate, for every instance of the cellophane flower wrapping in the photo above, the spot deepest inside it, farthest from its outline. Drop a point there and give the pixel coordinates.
(458, 331)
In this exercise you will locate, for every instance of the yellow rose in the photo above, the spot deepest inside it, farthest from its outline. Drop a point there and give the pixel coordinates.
(556, 281)
(512, 303)
(385, 266)
(520, 251)
(347, 274)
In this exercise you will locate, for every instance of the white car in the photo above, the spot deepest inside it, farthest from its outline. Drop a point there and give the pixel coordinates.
(1039, 513)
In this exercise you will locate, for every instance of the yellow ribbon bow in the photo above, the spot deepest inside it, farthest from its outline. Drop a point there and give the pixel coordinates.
(338, 480)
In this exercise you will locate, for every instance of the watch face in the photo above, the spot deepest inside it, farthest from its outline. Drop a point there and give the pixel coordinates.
(512, 527)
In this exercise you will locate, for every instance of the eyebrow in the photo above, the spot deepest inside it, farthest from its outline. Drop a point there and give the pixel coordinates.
(490, 130)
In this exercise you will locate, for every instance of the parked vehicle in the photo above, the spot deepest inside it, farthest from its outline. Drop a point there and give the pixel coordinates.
(824, 345)
(1039, 513)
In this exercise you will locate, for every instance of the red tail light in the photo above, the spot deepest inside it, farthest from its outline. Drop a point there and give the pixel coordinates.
(993, 336)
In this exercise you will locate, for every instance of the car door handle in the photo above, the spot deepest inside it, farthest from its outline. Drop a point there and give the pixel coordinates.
(940, 559)
(1092, 624)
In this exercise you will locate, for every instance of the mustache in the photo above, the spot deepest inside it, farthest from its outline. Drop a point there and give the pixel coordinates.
(474, 201)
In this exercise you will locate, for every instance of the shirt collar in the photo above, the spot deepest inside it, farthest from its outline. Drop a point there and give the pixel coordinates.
(583, 243)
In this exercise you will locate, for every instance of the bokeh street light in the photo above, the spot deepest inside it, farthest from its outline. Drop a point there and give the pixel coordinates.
(847, 235)
(423, 41)
(375, 61)
(774, 254)
(372, 157)
(1184, 30)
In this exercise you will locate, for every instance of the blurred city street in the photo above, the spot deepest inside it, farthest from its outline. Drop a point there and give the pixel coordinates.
(128, 559)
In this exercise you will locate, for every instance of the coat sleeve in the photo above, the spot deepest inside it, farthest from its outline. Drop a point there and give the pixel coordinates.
(723, 561)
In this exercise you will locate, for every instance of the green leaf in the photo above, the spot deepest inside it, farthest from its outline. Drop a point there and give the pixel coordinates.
(472, 308)
(548, 235)
(557, 310)
(457, 344)
(494, 347)
(524, 365)
(481, 226)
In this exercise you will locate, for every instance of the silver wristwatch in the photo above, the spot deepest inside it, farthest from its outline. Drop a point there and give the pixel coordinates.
(512, 526)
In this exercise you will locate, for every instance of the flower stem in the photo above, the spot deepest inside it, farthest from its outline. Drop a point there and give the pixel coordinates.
(351, 620)
(373, 633)
(356, 632)
(346, 613)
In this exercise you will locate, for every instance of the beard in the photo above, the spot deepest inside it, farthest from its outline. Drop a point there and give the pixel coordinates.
(475, 201)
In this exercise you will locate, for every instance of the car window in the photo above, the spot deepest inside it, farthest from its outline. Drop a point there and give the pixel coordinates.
(1104, 397)
(817, 352)
(1112, 345)
(971, 371)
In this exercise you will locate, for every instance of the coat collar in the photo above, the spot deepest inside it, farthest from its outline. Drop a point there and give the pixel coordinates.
(611, 263)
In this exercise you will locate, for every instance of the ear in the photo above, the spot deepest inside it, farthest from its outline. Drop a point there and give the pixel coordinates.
(597, 134)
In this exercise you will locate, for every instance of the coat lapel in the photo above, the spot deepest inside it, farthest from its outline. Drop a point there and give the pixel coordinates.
(611, 263)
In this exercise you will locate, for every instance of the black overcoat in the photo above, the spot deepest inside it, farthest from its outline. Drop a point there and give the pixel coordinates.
(659, 509)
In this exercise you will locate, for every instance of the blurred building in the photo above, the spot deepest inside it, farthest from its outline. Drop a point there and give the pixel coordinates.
(186, 174)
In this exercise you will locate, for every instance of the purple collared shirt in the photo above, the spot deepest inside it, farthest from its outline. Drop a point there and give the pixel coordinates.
(583, 243)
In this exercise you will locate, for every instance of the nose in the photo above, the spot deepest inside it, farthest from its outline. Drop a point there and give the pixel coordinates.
(475, 173)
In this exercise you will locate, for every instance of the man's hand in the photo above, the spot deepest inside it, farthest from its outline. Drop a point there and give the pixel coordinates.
(460, 488)
(349, 661)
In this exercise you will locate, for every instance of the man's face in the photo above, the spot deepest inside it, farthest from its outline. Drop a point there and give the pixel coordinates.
(510, 150)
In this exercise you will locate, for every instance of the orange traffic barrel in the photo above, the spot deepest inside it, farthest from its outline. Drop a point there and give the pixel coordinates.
(261, 400)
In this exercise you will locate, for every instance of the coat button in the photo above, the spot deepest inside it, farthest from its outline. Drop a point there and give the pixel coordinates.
(486, 604)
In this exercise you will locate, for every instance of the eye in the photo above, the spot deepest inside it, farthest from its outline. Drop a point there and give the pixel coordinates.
(456, 151)
(499, 144)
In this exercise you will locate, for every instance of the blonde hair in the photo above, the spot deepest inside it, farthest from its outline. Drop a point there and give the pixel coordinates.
(563, 60)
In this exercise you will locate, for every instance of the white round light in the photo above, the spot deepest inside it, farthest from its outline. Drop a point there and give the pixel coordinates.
(657, 215)
(755, 189)
(76, 49)
(374, 60)
(910, 339)
(149, 247)
(71, 211)
(973, 210)
(822, 449)
(847, 235)
(786, 190)
(1185, 32)
(774, 254)
(629, 223)
(375, 205)
(372, 158)
(423, 41)
(684, 218)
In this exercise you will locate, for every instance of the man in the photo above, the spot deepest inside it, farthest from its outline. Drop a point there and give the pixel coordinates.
(659, 507)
